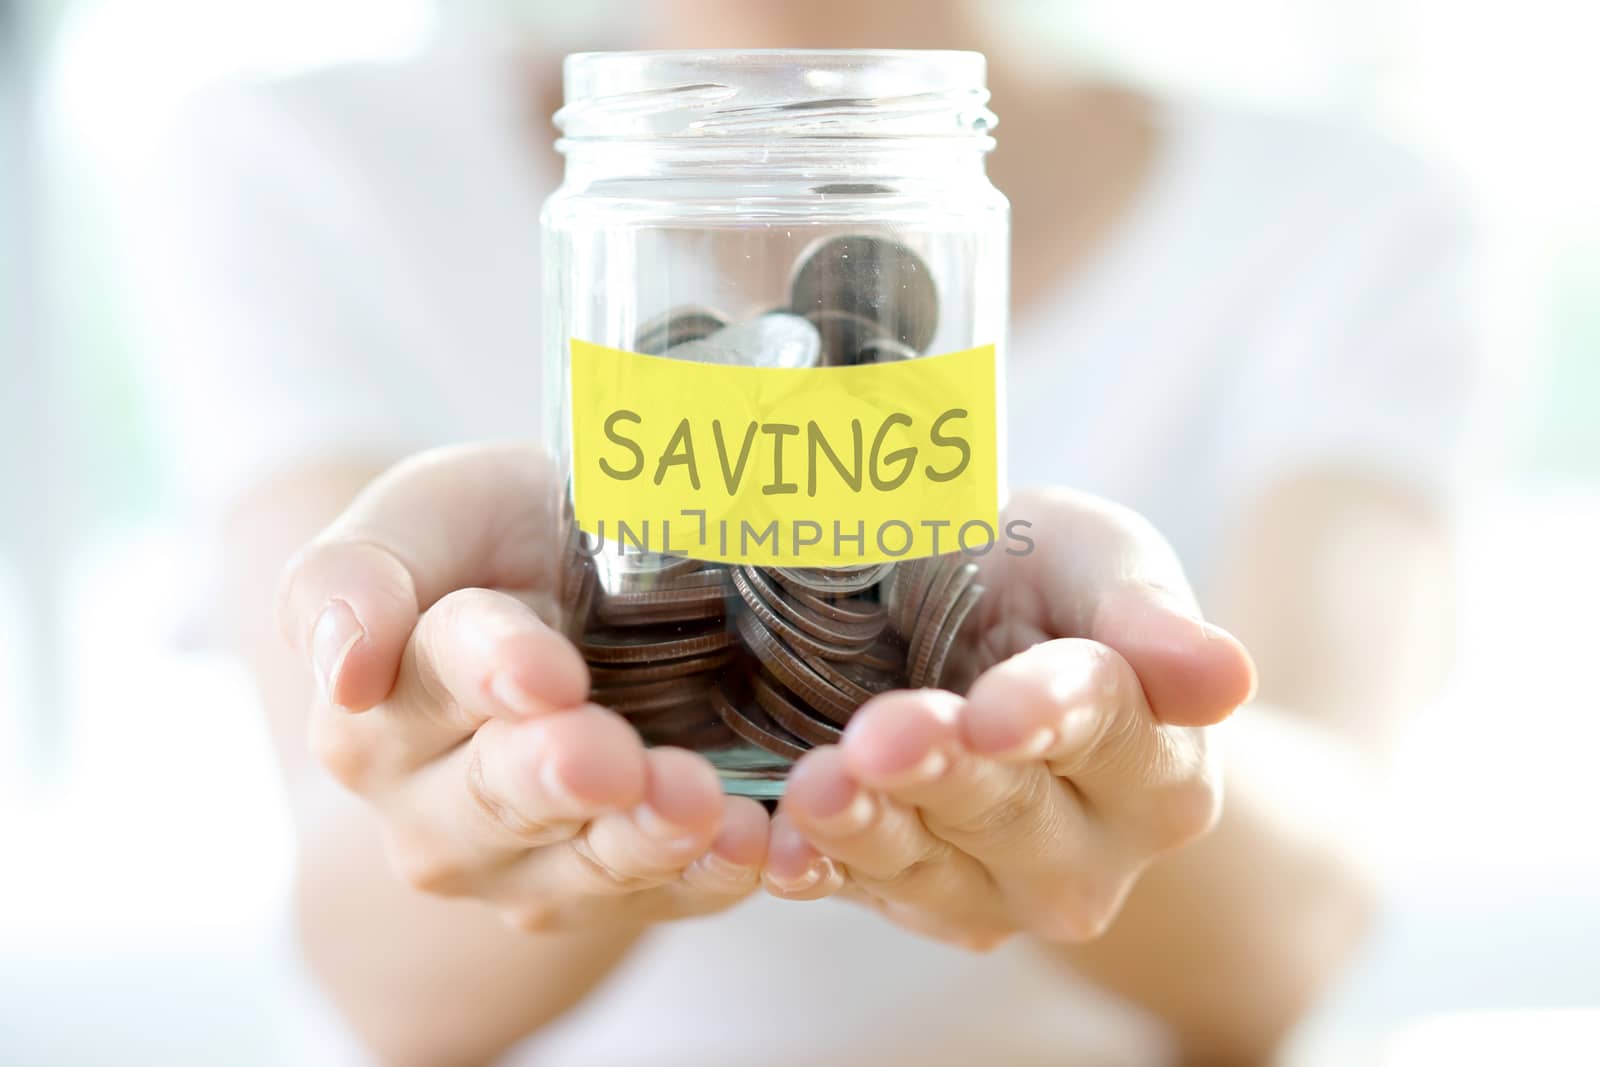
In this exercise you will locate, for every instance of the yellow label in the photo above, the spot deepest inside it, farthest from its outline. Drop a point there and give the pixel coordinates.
(814, 467)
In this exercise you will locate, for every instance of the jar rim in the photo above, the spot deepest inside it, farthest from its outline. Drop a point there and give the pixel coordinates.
(806, 93)
(963, 54)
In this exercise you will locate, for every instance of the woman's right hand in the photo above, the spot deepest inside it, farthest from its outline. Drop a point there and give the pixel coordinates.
(449, 700)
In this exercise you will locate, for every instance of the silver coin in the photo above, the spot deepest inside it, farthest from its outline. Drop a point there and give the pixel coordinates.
(773, 340)
(873, 276)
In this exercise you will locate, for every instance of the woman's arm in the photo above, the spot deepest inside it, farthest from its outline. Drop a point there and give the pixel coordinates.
(1340, 587)
(423, 980)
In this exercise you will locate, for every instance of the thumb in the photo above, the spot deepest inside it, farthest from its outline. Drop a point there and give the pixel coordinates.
(349, 607)
(443, 520)
(1194, 673)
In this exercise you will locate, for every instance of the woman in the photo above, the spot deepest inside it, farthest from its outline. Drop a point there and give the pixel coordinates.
(1244, 329)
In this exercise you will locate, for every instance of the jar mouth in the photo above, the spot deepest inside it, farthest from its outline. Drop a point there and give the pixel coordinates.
(762, 94)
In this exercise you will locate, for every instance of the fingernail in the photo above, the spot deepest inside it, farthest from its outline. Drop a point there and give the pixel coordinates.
(505, 688)
(820, 868)
(1033, 746)
(1076, 725)
(335, 634)
(720, 868)
(557, 789)
(651, 822)
(851, 819)
(931, 766)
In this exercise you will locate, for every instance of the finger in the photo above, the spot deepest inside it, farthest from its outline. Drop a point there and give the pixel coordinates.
(475, 654)
(795, 869)
(444, 520)
(514, 786)
(727, 872)
(626, 851)
(1015, 820)
(889, 854)
(1078, 706)
(1103, 572)
(732, 865)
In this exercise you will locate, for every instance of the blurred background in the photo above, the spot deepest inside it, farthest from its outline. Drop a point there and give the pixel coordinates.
(143, 848)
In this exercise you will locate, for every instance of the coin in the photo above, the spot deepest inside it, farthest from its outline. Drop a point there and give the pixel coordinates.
(778, 339)
(850, 609)
(887, 655)
(774, 620)
(672, 604)
(652, 696)
(675, 326)
(793, 671)
(646, 644)
(633, 674)
(858, 683)
(835, 581)
(631, 569)
(944, 592)
(885, 350)
(853, 627)
(710, 736)
(845, 335)
(791, 713)
(873, 276)
(933, 672)
(753, 724)
(904, 596)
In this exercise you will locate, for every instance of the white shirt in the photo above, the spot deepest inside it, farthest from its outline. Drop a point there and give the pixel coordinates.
(348, 264)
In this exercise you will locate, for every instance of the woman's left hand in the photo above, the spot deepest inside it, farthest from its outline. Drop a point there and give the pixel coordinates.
(1032, 804)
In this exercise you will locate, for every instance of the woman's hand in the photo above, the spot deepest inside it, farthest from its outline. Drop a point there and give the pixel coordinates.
(1032, 804)
(451, 704)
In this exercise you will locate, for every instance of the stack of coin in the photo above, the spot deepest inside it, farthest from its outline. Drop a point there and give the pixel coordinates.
(699, 654)
(704, 655)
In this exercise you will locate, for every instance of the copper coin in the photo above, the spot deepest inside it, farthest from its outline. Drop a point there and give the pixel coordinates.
(791, 713)
(773, 620)
(942, 598)
(856, 682)
(634, 674)
(751, 722)
(873, 276)
(793, 671)
(646, 644)
(852, 610)
(886, 654)
(661, 605)
(631, 570)
(651, 696)
(854, 636)
(676, 326)
(686, 715)
(933, 673)
(911, 581)
(709, 736)
(836, 581)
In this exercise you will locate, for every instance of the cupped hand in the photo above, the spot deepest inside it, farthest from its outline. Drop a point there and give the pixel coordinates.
(451, 702)
(1077, 757)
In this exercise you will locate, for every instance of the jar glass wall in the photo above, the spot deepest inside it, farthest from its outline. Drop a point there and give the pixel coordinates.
(776, 305)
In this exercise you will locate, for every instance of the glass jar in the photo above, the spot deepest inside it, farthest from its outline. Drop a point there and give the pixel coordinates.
(775, 313)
